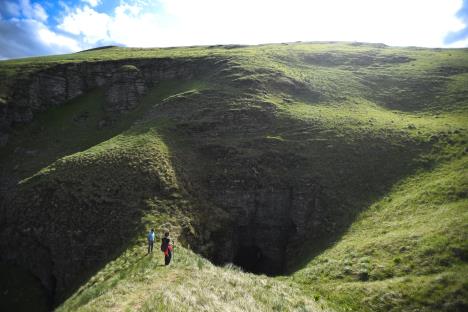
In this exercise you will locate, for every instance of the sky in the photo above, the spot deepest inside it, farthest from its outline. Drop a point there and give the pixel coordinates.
(43, 27)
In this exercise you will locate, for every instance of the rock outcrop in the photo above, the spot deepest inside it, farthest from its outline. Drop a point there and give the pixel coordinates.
(56, 235)
(125, 89)
(125, 81)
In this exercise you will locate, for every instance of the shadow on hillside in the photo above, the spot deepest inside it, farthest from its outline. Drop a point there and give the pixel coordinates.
(282, 186)
(80, 213)
(259, 180)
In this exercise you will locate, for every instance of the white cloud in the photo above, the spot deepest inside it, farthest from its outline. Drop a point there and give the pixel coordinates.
(52, 39)
(28, 37)
(188, 22)
(12, 8)
(65, 8)
(39, 12)
(395, 22)
(93, 26)
(148, 23)
(134, 27)
(34, 11)
(92, 3)
(25, 32)
(459, 44)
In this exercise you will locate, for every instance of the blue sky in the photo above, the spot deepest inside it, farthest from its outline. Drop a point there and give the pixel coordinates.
(42, 27)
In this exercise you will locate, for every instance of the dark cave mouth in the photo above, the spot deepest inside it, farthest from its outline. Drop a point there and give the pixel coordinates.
(250, 259)
(21, 290)
(262, 247)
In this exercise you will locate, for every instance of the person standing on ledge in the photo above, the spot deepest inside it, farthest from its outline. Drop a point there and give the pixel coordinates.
(166, 247)
(151, 238)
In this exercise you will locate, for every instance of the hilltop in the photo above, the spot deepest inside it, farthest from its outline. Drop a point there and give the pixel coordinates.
(336, 172)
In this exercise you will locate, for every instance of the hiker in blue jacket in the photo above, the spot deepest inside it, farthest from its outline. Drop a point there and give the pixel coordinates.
(151, 238)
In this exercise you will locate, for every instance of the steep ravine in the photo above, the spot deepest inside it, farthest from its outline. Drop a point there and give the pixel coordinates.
(269, 189)
(265, 190)
(62, 223)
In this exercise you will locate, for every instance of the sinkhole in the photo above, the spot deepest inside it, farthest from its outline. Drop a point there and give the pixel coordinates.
(257, 249)
(250, 259)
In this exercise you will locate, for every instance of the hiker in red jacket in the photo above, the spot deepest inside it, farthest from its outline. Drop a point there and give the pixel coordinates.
(166, 247)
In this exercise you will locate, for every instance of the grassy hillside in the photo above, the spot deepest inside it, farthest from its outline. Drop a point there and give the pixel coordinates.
(138, 281)
(406, 252)
(344, 164)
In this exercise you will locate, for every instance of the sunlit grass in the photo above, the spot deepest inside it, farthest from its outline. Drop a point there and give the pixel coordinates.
(402, 248)
(380, 124)
(137, 281)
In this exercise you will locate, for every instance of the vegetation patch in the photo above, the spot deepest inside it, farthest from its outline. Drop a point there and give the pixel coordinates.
(340, 167)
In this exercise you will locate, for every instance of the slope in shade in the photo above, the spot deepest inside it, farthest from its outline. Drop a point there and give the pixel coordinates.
(264, 161)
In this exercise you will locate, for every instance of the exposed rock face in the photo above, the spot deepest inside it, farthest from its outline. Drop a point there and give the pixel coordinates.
(125, 82)
(56, 235)
(269, 217)
(269, 221)
(126, 87)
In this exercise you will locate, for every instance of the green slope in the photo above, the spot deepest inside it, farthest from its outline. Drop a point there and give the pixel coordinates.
(137, 281)
(406, 252)
(384, 131)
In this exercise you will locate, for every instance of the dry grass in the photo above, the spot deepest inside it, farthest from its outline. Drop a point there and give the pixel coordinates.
(191, 283)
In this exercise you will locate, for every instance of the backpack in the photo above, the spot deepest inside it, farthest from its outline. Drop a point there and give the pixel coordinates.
(164, 244)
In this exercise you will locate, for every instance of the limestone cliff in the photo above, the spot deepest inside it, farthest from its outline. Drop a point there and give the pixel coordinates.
(126, 87)
(125, 81)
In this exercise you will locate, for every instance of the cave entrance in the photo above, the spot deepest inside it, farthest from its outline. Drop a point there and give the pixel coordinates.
(20, 290)
(250, 259)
